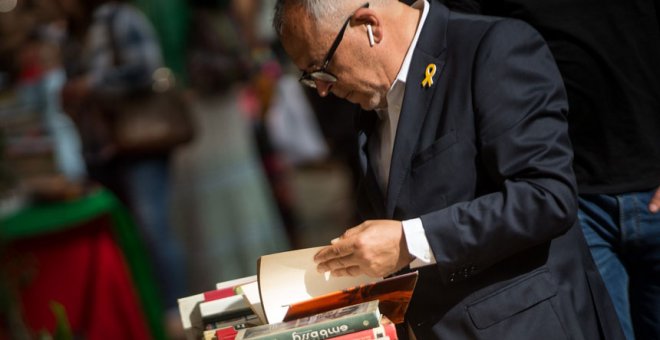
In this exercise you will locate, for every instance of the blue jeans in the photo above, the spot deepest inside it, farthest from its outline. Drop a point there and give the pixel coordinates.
(624, 238)
(148, 191)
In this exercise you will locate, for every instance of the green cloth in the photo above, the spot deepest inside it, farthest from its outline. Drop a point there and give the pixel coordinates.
(43, 219)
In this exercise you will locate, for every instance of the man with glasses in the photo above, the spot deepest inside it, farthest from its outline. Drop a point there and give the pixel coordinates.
(466, 167)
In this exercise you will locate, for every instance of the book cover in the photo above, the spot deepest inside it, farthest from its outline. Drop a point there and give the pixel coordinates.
(237, 322)
(228, 330)
(231, 284)
(224, 333)
(345, 320)
(386, 330)
(393, 293)
(227, 333)
(225, 308)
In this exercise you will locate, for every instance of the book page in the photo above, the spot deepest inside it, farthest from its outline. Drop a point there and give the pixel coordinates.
(288, 277)
(236, 282)
(251, 295)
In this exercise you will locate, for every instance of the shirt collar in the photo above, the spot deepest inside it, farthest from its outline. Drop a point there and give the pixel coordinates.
(395, 94)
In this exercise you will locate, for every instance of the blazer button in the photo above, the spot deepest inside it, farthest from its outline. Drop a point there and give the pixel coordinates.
(452, 277)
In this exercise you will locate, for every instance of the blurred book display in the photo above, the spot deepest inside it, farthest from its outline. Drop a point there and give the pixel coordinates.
(289, 299)
(30, 166)
(25, 151)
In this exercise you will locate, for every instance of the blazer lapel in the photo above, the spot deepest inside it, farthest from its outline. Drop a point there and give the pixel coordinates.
(417, 99)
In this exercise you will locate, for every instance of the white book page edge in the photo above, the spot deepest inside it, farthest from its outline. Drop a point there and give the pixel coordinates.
(289, 277)
(236, 282)
(251, 295)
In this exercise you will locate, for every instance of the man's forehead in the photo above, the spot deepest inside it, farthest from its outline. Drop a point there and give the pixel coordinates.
(299, 48)
(302, 38)
(297, 21)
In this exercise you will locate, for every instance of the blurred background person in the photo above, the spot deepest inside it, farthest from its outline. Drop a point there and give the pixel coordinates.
(607, 53)
(116, 54)
(222, 196)
(247, 185)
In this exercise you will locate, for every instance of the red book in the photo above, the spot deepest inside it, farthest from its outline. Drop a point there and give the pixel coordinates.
(386, 329)
(227, 333)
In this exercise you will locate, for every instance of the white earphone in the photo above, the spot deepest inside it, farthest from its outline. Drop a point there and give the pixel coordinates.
(370, 32)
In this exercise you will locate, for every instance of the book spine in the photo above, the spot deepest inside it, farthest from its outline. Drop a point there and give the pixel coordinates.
(238, 323)
(326, 329)
(227, 333)
(220, 293)
(379, 333)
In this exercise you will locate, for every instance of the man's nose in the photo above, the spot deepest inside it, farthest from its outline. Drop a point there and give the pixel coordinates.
(323, 87)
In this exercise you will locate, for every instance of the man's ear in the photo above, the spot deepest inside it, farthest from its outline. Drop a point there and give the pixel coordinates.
(370, 22)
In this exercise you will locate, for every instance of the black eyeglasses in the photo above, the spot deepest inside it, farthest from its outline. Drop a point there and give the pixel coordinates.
(308, 79)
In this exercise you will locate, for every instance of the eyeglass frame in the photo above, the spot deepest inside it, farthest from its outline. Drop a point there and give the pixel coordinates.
(309, 78)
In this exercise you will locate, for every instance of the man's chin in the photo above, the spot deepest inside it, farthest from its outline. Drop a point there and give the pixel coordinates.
(365, 104)
(367, 108)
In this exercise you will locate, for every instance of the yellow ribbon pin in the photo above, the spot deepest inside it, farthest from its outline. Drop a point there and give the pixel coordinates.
(430, 72)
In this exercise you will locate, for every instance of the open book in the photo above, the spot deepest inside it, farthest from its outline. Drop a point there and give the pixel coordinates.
(288, 287)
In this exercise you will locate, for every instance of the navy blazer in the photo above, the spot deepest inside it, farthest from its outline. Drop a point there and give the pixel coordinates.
(483, 157)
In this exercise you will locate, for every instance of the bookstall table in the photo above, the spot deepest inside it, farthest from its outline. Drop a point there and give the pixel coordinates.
(86, 255)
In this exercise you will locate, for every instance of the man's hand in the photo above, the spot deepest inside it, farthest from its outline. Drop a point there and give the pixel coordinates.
(375, 248)
(654, 206)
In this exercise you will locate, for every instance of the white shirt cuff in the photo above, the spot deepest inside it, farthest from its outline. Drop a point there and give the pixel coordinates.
(418, 244)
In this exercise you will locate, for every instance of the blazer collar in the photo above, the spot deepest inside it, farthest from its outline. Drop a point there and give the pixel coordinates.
(430, 50)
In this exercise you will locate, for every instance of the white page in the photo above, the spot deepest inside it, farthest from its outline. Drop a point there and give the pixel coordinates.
(251, 294)
(289, 277)
(236, 282)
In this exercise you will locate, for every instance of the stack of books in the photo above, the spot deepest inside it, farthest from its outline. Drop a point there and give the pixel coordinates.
(288, 299)
(223, 310)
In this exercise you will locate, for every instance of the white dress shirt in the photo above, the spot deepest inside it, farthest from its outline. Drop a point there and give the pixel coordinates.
(381, 149)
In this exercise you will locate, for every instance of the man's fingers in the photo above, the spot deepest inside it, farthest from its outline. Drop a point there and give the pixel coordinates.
(335, 264)
(349, 271)
(352, 231)
(337, 249)
(348, 233)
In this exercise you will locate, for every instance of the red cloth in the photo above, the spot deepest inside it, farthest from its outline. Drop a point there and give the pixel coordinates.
(84, 270)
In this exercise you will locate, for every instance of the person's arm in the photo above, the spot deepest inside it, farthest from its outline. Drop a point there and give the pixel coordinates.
(520, 106)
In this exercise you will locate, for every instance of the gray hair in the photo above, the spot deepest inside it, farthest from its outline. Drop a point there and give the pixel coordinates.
(326, 11)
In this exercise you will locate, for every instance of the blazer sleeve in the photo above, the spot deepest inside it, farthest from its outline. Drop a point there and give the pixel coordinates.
(520, 109)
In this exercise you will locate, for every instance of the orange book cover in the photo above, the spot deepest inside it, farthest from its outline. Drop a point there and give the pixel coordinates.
(393, 293)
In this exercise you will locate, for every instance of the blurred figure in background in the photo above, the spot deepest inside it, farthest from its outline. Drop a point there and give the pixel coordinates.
(33, 75)
(608, 53)
(118, 52)
(222, 195)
